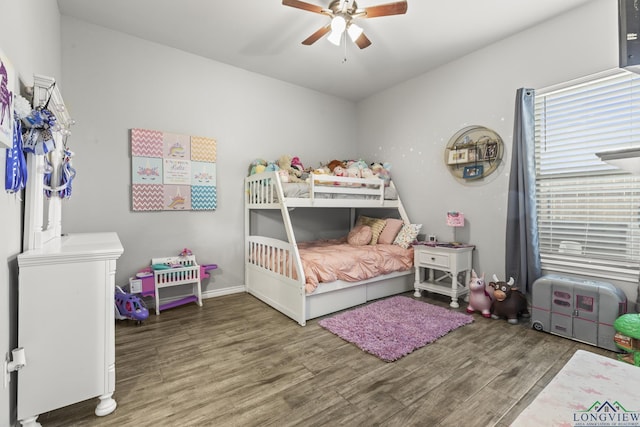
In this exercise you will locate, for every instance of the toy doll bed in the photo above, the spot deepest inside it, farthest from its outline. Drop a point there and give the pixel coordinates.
(275, 271)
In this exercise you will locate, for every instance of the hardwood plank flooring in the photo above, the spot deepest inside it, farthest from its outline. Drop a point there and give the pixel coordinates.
(237, 362)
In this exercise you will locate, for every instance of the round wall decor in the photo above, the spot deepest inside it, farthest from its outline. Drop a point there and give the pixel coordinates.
(473, 152)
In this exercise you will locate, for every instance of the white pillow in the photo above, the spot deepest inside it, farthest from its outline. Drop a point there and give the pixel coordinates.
(407, 235)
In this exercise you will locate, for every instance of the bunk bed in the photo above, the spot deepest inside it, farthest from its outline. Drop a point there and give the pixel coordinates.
(274, 271)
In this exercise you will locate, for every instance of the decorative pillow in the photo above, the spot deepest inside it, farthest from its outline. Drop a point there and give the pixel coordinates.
(376, 225)
(390, 231)
(407, 235)
(360, 235)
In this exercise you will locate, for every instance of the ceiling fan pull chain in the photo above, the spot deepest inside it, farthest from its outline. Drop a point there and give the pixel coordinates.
(344, 35)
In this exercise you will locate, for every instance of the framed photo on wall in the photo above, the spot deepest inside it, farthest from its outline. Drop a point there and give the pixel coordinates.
(473, 155)
(473, 172)
(457, 156)
(7, 80)
(491, 151)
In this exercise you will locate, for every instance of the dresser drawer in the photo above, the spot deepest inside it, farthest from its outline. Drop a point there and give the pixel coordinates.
(433, 260)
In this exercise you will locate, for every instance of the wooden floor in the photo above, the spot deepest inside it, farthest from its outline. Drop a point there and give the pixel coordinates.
(238, 362)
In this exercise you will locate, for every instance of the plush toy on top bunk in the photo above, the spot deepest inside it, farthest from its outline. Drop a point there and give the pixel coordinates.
(261, 165)
(293, 168)
(382, 171)
(257, 166)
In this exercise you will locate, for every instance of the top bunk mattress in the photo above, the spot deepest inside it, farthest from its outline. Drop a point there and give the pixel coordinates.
(266, 190)
(302, 190)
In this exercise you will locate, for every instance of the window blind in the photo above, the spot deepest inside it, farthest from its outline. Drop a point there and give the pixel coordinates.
(588, 210)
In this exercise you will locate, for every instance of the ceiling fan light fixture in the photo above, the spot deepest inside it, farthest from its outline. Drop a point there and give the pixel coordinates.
(335, 37)
(342, 14)
(354, 32)
(338, 24)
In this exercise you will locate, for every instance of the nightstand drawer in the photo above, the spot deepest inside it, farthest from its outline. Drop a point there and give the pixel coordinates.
(434, 260)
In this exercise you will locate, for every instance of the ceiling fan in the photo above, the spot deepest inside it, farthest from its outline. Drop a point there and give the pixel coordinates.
(342, 13)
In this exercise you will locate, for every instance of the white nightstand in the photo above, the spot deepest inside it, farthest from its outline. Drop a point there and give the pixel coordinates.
(450, 261)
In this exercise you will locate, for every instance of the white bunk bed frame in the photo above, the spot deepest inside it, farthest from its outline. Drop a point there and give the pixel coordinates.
(282, 284)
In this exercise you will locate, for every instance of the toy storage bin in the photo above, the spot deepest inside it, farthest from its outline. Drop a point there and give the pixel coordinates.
(183, 270)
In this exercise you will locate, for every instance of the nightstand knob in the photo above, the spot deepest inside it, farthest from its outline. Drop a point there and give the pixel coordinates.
(433, 258)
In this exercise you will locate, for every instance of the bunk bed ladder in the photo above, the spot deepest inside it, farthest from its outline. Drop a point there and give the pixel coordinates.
(297, 262)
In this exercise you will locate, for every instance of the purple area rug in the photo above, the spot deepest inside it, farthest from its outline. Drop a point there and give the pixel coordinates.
(394, 327)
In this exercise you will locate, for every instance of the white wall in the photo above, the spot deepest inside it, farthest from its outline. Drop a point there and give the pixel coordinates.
(30, 38)
(114, 82)
(410, 124)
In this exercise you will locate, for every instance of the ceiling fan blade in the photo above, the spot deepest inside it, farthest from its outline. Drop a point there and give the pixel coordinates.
(362, 41)
(316, 36)
(303, 5)
(396, 8)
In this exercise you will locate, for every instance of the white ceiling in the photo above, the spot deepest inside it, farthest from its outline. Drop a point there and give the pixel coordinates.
(265, 37)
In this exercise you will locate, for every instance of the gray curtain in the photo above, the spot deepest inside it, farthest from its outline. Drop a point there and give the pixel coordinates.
(522, 260)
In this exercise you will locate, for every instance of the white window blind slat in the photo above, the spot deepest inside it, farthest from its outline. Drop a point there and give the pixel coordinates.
(588, 210)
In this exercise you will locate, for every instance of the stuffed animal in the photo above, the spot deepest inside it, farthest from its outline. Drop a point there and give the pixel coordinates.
(382, 171)
(508, 302)
(480, 295)
(304, 173)
(366, 173)
(257, 166)
(272, 167)
(284, 162)
(339, 171)
(322, 170)
(353, 172)
(333, 163)
(296, 163)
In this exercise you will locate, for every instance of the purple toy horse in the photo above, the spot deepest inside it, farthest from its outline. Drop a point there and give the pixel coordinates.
(480, 298)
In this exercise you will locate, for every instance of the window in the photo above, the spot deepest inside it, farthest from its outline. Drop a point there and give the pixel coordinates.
(588, 210)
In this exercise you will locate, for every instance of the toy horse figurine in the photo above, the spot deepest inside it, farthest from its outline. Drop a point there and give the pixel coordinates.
(509, 302)
(480, 298)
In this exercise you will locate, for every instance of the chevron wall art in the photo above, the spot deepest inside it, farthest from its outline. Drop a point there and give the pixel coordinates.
(172, 172)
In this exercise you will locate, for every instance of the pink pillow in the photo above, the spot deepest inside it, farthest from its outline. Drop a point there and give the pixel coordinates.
(360, 235)
(390, 231)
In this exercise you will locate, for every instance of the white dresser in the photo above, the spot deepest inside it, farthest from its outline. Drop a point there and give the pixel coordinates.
(66, 324)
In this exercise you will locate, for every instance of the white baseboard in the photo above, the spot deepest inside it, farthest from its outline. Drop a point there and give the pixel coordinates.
(225, 291)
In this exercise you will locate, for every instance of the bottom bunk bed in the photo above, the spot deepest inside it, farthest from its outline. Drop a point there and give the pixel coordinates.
(272, 276)
(298, 282)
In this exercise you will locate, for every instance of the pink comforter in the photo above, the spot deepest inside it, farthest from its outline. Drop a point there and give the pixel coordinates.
(330, 260)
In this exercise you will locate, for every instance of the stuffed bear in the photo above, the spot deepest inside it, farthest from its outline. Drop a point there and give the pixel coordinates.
(284, 162)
